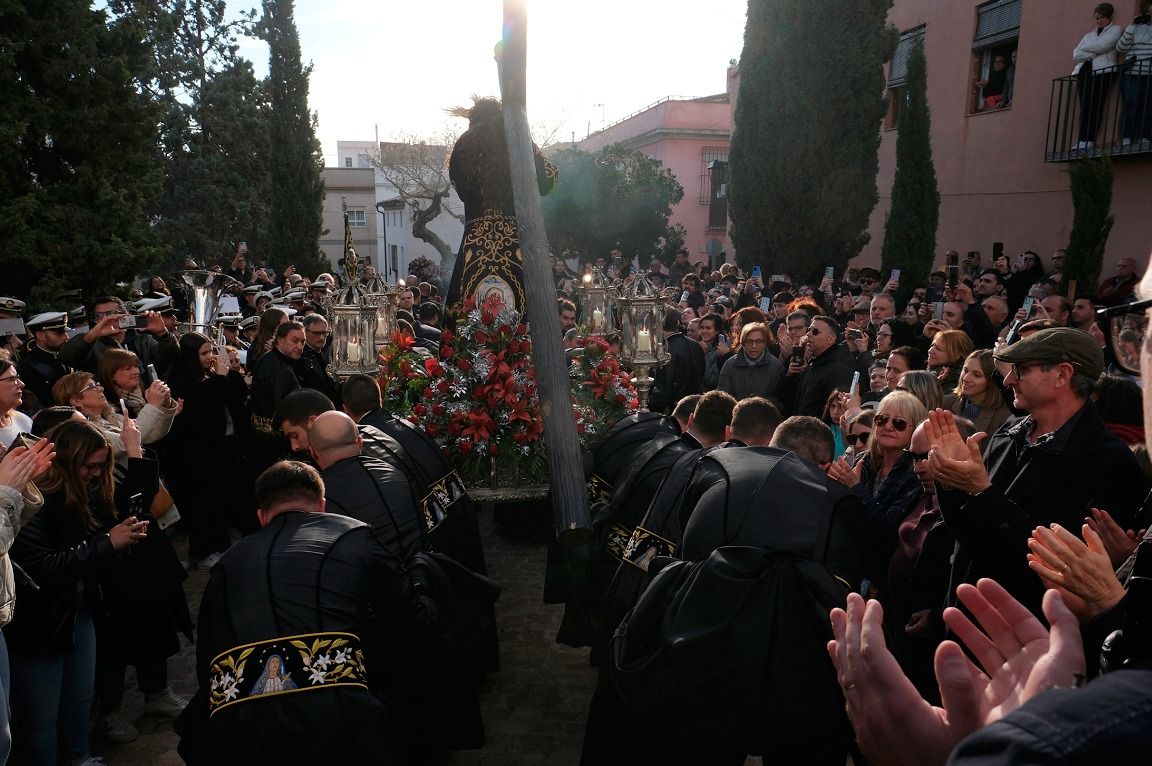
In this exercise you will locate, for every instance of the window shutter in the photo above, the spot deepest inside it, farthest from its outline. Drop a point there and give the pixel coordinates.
(898, 72)
(996, 22)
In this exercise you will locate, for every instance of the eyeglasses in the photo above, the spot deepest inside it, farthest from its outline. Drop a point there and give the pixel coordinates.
(867, 281)
(917, 457)
(93, 386)
(13, 378)
(900, 424)
(753, 341)
(861, 439)
(813, 331)
(1020, 370)
(1127, 325)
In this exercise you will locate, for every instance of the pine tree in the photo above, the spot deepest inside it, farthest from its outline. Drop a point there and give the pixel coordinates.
(80, 167)
(803, 160)
(1091, 187)
(910, 232)
(295, 214)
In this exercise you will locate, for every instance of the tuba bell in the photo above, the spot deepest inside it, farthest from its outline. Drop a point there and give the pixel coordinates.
(204, 290)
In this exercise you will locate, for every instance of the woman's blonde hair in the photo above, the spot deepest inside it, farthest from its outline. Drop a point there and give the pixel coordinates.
(898, 404)
(955, 344)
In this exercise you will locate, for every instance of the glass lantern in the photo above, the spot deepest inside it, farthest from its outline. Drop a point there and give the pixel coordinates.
(642, 311)
(383, 297)
(354, 318)
(596, 301)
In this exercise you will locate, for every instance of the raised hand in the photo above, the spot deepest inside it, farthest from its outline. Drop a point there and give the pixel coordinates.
(20, 465)
(130, 435)
(845, 473)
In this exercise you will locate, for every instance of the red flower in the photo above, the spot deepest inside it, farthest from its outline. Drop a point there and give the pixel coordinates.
(419, 409)
(433, 367)
(492, 448)
(465, 447)
(432, 430)
(427, 393)
(464, 365)
(446, 352)
(402, 340)
(446, 336)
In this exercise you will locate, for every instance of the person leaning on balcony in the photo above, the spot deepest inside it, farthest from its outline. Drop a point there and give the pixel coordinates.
(1095, 58)
(1136, 81)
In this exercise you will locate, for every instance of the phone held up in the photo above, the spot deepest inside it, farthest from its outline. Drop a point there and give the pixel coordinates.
(137, 321)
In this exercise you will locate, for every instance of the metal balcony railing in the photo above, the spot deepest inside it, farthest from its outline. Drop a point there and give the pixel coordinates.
(1095, 115)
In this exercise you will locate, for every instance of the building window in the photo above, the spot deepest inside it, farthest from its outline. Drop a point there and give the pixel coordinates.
(708, 156)
(898, 74)
(993, 55)
(363, 161)
(347, 162)
(356, 218)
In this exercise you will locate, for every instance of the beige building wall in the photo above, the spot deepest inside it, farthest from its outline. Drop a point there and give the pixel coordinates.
(357, 187)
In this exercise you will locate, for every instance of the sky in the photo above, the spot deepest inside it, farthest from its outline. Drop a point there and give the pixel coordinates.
(392, 68)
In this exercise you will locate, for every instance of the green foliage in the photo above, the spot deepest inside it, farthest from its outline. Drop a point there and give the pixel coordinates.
(217, 190)
(79, 165)
(214, 128)
(1091, 187)
(910, 232)
(297, 190)
(803, 158)
(614, 197)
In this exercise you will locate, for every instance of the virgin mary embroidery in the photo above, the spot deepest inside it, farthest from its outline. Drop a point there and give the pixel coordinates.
(272, 679)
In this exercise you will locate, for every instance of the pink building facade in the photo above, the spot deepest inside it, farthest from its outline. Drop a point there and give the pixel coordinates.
(1002, 172)
(691, 138)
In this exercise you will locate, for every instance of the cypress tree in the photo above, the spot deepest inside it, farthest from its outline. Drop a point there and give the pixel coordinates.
(910, 232)
(807, 129)
(80, 166)
(1091, 187)
(296, 210)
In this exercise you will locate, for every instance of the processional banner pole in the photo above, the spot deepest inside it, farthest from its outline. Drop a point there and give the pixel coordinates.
(565, 463)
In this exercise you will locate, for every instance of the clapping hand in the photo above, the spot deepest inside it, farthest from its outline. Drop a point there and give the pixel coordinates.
(21, 465)
(956, 462)
(1118, 542)
(1018, 656)
(842, 471)
(1079, 569)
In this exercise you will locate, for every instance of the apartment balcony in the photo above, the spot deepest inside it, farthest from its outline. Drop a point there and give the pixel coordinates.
(1125, 116)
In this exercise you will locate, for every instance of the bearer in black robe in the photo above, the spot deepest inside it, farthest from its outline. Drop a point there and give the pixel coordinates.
(281, 657)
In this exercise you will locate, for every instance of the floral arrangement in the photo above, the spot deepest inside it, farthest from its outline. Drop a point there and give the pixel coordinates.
(478, 400)
(403, 373)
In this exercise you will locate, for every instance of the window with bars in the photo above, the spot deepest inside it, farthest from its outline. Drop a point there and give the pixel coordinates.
(708, 157)
(993, 59)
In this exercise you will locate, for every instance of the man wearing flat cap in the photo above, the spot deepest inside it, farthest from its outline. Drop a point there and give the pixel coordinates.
(39, 368)
(1051, 466)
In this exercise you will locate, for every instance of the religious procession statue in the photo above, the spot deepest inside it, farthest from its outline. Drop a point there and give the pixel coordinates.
(489, 262)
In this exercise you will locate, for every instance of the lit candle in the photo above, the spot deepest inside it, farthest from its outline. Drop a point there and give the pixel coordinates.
(597, 319)
(353, 351)
(643, 341)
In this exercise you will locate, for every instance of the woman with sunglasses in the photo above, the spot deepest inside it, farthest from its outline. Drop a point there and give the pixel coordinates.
(12, 421)
(883, 479)
(977, 397)
(858, 433)
(67, 549)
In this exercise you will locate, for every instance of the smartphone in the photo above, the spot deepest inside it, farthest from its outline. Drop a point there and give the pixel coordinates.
(683, 296)
(779, 278)
(25, 439)
(152, 373)
(895, 276)
(1028, 303)
(829, 272)
(755, 272)
(137, 321)
(723, 338)
(855, 387)
(953, 270)
(765, 305)
(997, 250)
(798, 355)
(136, 505)
(938, 312)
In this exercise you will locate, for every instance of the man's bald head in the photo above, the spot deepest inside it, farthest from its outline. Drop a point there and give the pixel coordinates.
(333, 436)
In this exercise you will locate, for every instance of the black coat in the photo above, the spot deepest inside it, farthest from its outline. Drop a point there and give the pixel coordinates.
(58, 557)
(273, 379)
(807, 393)
(40, 369)
(312, 370)
(682, 376)
(1057, 481)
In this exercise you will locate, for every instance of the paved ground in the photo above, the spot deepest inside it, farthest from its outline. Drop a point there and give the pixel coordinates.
(534, 708)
